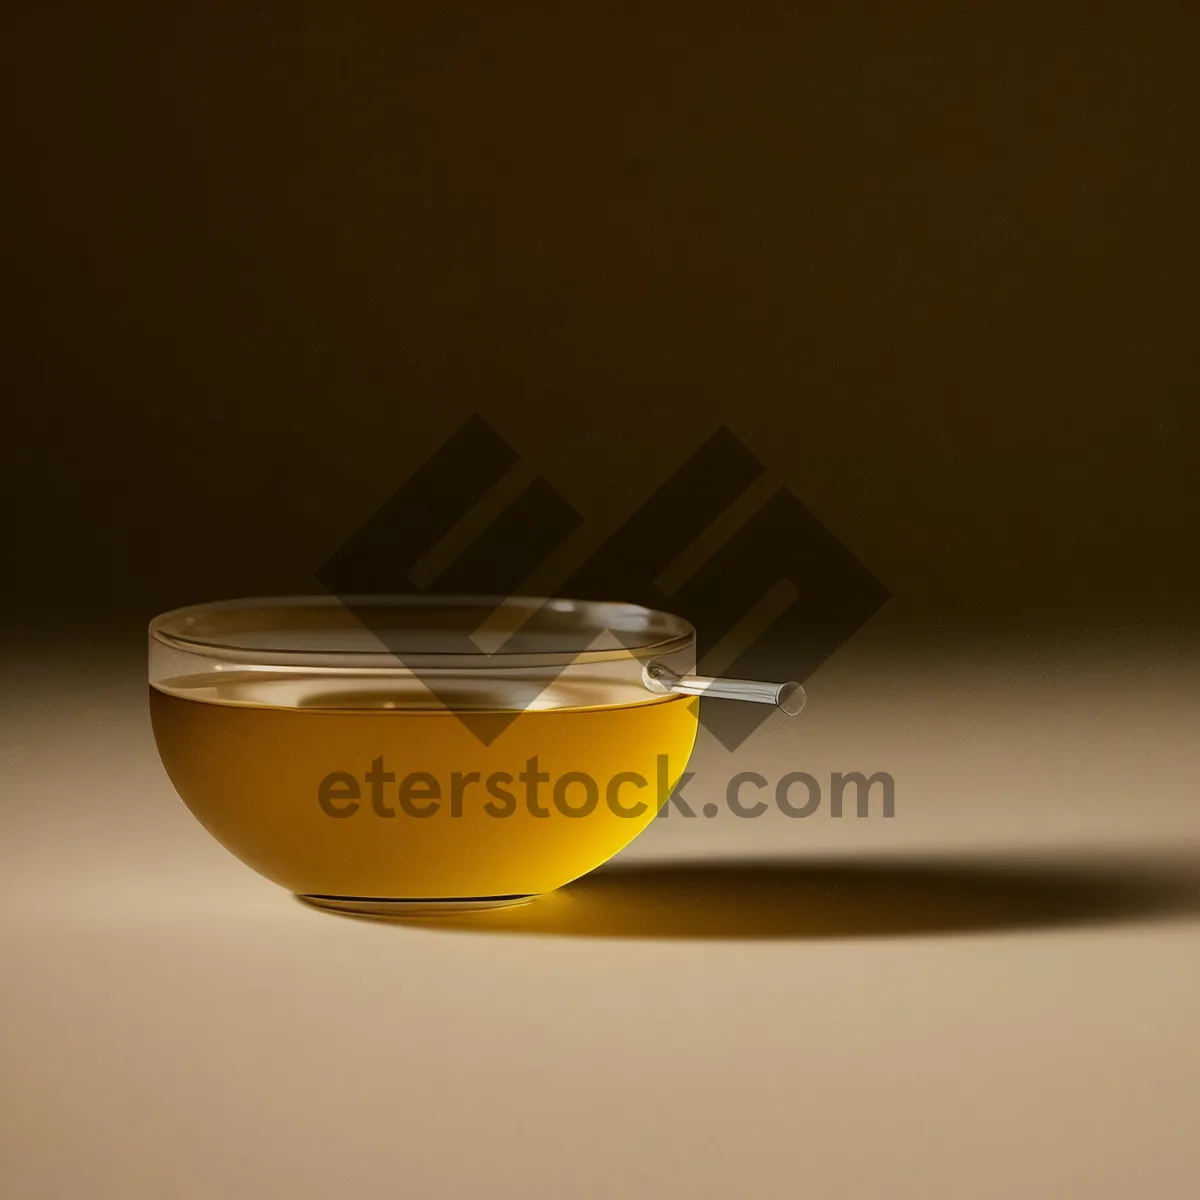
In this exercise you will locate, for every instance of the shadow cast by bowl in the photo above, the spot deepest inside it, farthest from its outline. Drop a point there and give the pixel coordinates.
(823, 898)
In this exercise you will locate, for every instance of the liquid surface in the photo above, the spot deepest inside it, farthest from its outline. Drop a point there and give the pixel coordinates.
(367, 786)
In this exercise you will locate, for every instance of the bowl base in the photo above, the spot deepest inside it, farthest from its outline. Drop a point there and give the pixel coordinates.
(402, 909)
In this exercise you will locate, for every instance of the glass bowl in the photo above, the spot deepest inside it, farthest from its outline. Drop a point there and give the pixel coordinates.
(397, 755)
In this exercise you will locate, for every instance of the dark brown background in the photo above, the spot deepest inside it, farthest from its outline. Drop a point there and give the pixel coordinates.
(935, 264)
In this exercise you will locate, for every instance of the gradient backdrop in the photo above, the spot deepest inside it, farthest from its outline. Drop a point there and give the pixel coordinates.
(935, 265)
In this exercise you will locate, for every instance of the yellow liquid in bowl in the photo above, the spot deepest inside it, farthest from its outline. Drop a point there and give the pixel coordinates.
(251, 752)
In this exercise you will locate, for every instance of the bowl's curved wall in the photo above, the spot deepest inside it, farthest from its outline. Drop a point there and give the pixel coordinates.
(312, 798)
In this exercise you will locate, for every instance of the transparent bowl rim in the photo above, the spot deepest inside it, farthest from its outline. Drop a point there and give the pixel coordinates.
(667, 633)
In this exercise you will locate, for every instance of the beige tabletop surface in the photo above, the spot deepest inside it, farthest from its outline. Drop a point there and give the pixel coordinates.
(994, 993)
